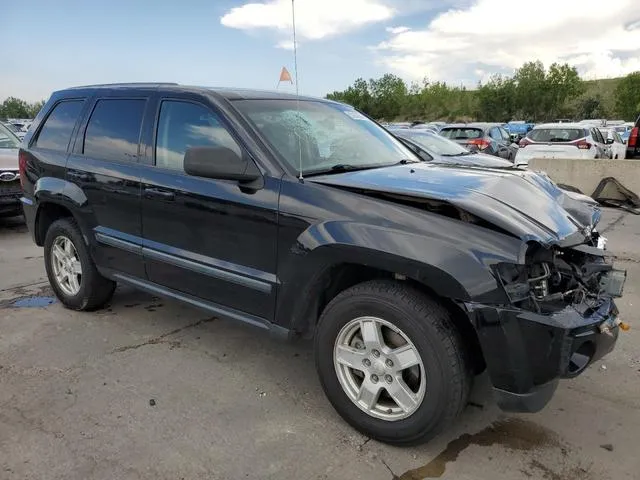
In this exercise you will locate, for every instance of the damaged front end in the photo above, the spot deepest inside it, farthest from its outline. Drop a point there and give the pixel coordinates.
(561, 317)
(553, 278)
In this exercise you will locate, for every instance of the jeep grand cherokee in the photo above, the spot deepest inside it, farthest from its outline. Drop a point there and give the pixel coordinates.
(302, 216)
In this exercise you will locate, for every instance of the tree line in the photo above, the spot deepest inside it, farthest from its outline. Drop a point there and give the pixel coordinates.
(13, 107)
(533, 93)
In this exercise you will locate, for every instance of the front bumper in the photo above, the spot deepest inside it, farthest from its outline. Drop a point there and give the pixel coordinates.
(526, 353)
(10, 202)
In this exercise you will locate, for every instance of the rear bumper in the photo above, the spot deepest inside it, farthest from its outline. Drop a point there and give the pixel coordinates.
(29, 209)
(526, 353)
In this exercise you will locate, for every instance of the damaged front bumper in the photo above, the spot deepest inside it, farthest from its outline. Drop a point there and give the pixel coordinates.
(527, 352)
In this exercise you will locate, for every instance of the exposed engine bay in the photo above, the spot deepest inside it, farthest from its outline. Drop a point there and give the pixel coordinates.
(554, 277)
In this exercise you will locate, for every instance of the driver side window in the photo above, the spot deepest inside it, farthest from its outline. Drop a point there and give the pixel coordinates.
(182, 125)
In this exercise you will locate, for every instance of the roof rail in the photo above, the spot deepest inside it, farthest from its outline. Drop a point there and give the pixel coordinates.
(128, 84)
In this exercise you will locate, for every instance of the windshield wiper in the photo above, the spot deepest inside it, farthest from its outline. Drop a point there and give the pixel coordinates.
(348, 167)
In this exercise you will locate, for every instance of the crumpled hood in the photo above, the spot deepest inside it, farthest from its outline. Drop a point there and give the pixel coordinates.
(519, 204)
(8, 159)
(473, 159)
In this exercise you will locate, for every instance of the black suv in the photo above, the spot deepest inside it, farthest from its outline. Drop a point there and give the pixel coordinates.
(303, 217)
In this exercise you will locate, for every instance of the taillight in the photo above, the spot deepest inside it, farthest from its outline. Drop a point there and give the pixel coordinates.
(481, 143)
(524, 142)
(583, 145)
(633, 137)
(22, 167)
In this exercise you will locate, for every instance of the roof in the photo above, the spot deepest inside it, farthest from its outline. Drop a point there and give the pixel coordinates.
(563, 125)
(228, 93)
(481, 125)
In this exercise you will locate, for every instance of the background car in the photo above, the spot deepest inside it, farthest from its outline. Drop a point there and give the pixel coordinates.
(518, 129)
(432, 147)
(489, 138)
(617, 148)
(10, 190)
(562, 140)
(633, 144)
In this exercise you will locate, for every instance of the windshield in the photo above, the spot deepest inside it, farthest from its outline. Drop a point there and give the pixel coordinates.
(556, 134)
(461, 133)
(433, 143)
(7, 138)
(320, 135)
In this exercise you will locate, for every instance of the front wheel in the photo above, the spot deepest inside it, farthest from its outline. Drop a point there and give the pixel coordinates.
(391, 362)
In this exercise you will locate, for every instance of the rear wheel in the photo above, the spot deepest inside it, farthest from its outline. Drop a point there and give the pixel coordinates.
(391, 362)
(71, 271)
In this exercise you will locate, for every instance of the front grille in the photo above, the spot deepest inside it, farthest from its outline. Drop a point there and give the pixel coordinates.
(10, 188)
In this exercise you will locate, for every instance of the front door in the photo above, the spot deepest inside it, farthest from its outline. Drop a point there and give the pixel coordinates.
(203, 237)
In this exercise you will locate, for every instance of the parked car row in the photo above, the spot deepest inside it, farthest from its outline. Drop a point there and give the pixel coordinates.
(589, 139)
(411, 271)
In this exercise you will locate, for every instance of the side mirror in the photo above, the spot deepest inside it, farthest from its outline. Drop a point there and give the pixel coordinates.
(609, 141)
(220, 163)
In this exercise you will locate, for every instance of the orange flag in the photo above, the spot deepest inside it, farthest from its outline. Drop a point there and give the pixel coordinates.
(285, 76)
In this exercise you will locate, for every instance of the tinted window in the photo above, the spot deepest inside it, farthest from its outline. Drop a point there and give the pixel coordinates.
(598, 135)
(182, 125)
(114, 129)
(495, 134)
(505, 135)
(556, 134)
(7, 138)
(461, 133)
(56, 131)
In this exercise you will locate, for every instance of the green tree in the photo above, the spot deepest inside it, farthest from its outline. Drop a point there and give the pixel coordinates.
(14, 107)
(627, 96)
(531, 90)
(387, 96)
(357, 96)
(563, 85)
(34, 108)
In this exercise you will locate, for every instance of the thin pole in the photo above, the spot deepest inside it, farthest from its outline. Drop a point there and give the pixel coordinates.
(295, 69)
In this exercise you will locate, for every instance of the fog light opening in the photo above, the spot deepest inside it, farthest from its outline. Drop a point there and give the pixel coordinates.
(581, 359)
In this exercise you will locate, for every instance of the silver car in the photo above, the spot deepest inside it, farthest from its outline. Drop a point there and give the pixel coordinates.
(10, 190)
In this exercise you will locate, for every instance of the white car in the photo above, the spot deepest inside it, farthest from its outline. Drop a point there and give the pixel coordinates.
(616, 145)
(562, 140)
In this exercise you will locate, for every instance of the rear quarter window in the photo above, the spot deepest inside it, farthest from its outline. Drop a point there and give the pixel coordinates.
(56, 132)
(461, 133)
(556, 134)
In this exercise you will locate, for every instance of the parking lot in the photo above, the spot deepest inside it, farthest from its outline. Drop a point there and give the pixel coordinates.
(147, 388)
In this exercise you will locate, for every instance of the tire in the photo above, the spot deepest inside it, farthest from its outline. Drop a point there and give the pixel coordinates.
(428, 327)
(94, 289)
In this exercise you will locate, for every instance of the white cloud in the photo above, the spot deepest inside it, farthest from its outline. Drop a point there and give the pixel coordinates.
(285, 44)
(396, 30)
(465, 44)
(315, 19)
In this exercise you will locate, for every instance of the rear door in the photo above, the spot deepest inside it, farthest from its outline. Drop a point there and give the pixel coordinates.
(500, 147)
(104, 164)
(601, 143)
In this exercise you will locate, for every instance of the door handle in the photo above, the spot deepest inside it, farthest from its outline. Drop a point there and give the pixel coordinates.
(159, 193)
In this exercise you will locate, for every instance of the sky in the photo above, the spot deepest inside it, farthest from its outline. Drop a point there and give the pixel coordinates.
(49, 45)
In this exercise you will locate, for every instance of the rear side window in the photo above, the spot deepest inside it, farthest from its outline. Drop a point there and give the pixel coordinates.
(556, 134)
(56, 131)
(505, 134)
(461, 133)
(598, 135)
(113, 130)
(182, 125)
(495, 134)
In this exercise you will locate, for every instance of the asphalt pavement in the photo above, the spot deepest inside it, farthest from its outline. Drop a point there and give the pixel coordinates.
(150, 389)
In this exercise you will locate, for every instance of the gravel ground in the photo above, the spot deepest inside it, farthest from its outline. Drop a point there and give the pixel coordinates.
(150, 389)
